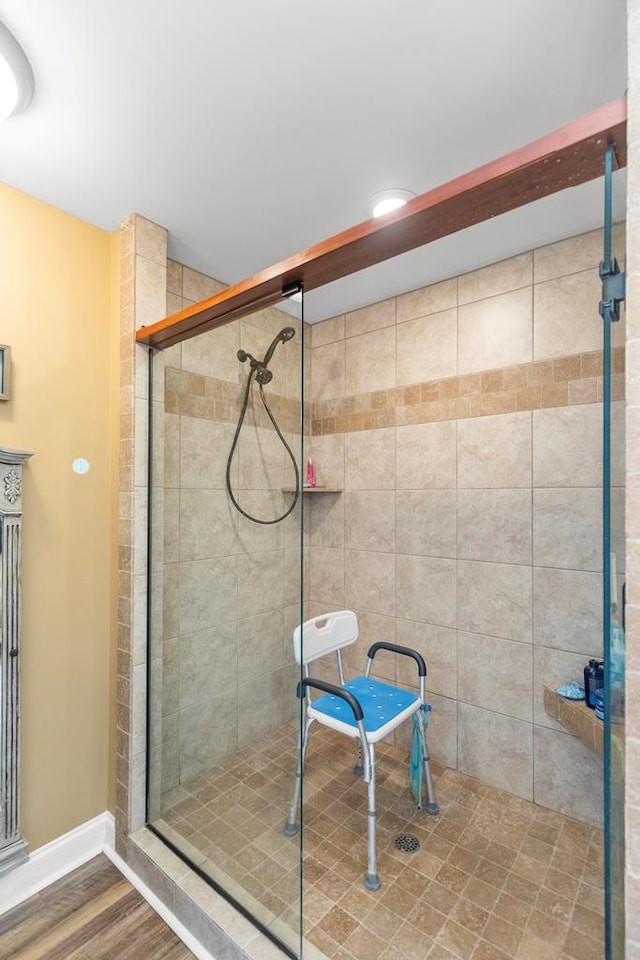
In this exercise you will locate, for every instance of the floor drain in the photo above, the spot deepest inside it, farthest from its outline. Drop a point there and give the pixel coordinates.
(407, 843)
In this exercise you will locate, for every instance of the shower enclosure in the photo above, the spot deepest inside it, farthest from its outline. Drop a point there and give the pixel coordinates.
(411, 498)
(227, 593)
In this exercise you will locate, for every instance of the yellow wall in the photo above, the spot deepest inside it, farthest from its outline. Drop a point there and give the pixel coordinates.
(56, 313)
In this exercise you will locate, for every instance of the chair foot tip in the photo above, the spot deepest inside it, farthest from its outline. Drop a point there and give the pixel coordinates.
(433, 809)
(290, 829)
(358, 769)
(372, 882)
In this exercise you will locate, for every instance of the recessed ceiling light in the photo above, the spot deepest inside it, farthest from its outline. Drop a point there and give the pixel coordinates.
(387, 200)
(16, 75)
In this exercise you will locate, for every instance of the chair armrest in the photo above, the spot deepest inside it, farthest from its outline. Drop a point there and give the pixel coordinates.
(336, 691)
(405, 651)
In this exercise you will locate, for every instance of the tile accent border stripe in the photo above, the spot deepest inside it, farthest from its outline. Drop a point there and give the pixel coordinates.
(562, 382)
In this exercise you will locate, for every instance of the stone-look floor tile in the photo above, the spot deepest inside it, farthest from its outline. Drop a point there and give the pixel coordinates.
(580, 947)
(487, 951)
(440, 910)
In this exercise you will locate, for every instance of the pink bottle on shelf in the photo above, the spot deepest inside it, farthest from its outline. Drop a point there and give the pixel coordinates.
(311, 474)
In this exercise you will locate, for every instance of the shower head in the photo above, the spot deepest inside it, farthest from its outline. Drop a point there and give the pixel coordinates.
(285, 334)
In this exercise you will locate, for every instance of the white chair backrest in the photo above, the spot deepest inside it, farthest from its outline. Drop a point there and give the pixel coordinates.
(324, 634)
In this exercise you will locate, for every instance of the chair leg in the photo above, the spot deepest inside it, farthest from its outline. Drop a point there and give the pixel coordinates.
(291, 827)
(432, 806)
(372, 880)
(359, 766)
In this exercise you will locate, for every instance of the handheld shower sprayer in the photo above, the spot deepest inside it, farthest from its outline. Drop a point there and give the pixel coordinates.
(261, 367)
(263, 376)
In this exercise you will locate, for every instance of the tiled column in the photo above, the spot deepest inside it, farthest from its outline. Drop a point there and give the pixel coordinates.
(143, 285)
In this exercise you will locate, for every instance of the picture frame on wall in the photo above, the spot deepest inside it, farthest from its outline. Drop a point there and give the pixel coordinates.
(5, 371)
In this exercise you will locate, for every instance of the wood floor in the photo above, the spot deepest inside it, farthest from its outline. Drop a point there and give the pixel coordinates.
(91, 914)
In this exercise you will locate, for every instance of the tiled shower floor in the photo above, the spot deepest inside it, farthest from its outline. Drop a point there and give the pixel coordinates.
(495, 877)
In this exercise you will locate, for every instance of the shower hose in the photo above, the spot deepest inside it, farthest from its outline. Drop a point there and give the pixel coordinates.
(236, 437)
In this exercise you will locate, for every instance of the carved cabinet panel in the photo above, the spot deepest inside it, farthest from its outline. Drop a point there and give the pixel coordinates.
(13, 849)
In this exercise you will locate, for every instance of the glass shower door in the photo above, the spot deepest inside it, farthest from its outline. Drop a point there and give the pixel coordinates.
(613, 586)
(226, 591)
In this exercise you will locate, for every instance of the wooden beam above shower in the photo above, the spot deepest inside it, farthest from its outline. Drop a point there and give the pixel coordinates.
(565, 158)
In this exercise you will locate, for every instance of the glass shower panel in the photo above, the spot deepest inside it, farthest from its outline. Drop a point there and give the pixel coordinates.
(226, 594)
(613, 596)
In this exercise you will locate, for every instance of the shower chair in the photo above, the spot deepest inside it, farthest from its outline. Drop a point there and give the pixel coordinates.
(364, 709)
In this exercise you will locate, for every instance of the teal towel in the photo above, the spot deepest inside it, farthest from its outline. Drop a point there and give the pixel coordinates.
(415, 754)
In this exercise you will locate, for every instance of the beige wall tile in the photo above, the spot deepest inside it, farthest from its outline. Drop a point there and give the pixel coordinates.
(326, 520)
(326, 576)
(208, 663)
(568, 776)
(565, 315)
(426, 456)
(213, 354)
(426, 522)
(208, 525)
(197, 286)
(495, 599)
(260, 646)
(170, 525)
(171, 600)
(369, 581)
(439, 649)
(426, 300)
(150, 240)
(427, 348)
(369, 520)
(370, 361)
(254, 537)
(260, 581)
(369, 460)
(495, 451)
(567, 446)
(442, 732)
(174, 277)
(496, 332)
(372, 628)
(494, 525)
(373, 317)
(268, 690)
(497, 278)
(208, 593)
(328, 371)
(496, 749)
(426, 590)
(567, 612)
(328, 331)
(328, 459)
(260, 459)
(150, 291)
(552, 668)
(200, 444)
(208, 734)
(567, 256)
(495, 673)
(567, 528)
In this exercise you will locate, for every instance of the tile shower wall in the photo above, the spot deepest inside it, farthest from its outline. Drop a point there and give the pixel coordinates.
(231, 587)
(462, 422)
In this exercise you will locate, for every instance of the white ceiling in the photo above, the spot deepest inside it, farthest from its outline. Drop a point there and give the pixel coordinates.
(252, 129)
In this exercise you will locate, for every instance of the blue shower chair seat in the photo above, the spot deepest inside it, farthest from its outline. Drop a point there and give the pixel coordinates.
(364, 708)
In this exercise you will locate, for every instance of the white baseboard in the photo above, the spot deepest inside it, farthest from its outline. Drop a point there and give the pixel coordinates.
(52, 861)
(159, 907)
